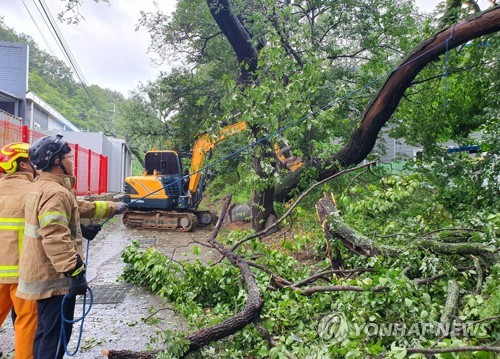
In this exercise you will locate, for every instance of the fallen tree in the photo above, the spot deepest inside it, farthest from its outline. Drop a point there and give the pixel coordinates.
(334, 229)
(389, 95)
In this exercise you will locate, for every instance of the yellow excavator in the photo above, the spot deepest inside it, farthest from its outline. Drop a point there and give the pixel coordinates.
(165, 199)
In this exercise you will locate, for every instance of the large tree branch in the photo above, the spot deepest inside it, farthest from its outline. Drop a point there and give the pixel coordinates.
(334, 227)
(238, 37)
(385, 103)
(252, 308)
(490, 254)
(339, 288)
(389, 95)
(451, 304)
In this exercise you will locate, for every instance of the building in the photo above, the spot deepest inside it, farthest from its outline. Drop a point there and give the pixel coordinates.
(40, 115)
(13, 78)
(390, 149)
(21, 107)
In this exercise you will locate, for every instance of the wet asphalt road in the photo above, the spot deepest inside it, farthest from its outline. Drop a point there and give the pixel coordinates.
(122, 326)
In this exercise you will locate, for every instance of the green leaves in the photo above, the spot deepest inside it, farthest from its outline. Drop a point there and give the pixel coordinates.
(398, 352)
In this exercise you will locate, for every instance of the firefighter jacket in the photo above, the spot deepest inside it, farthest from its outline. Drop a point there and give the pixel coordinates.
(52, 235)
(13, 189)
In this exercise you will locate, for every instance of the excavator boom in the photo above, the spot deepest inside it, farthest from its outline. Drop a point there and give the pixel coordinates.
(205, 144)
(162, 198)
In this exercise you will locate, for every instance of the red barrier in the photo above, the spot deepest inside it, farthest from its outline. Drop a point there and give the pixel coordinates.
(103, 178)
(91, 169)
(10, 133)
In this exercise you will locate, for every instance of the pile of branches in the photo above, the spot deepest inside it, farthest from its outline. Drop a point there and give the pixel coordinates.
(334, 229)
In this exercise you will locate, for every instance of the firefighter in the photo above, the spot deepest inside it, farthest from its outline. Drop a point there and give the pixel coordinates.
(52, 261)
(18, 174)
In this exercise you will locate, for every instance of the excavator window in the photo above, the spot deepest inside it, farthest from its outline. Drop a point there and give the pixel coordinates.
(165, 163)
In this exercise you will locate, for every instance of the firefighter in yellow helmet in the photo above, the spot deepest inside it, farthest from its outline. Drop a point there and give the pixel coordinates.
(18, 173)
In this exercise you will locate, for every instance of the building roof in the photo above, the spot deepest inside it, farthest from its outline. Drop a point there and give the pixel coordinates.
(31, 96)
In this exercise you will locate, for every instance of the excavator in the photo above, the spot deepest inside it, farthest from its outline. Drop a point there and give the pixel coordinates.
(165, 199)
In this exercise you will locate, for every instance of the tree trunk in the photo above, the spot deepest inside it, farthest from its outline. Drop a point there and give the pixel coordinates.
(262, 199)
(238, 37)
(247, 54)
(387, 99)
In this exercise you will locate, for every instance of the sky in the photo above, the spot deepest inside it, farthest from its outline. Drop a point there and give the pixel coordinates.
(107, 47)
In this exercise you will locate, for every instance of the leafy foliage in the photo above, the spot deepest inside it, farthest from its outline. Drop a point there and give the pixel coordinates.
(395, 210)
(317, 55)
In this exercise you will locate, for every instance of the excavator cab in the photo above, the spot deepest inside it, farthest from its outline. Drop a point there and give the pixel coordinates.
(167, 167)
(165, 163)
(161, 184)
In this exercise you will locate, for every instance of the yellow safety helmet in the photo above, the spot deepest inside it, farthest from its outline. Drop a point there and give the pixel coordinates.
(9, 155)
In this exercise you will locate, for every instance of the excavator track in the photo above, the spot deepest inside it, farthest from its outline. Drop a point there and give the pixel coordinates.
(162, 220)
(167, 220)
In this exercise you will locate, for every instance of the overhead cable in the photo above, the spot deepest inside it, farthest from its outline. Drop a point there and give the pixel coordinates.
(38, 28)
(61, 42)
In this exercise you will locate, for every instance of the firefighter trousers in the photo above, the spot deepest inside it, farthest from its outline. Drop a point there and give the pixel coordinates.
(26, 319)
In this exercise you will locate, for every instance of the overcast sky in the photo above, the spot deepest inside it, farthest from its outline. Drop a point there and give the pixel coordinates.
(105, 44)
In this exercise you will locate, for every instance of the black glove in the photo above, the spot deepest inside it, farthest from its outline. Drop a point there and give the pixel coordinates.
(78, 284)
(89, 232)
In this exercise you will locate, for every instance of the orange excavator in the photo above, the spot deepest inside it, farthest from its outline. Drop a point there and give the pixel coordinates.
(163, 198)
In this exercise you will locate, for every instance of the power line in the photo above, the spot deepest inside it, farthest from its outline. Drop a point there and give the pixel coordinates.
(63, 46)
(38, 28)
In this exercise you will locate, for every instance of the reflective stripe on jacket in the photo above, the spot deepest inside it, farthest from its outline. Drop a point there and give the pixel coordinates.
(13, 189)
(96, 209)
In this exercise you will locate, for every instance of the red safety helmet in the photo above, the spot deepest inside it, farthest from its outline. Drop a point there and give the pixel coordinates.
(9, 155)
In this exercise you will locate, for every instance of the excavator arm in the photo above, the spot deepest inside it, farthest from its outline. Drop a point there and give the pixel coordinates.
(161, 202)
(205, 144)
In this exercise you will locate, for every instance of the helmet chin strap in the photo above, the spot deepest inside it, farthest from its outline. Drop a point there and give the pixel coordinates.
(33, 169)
(61, 164)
